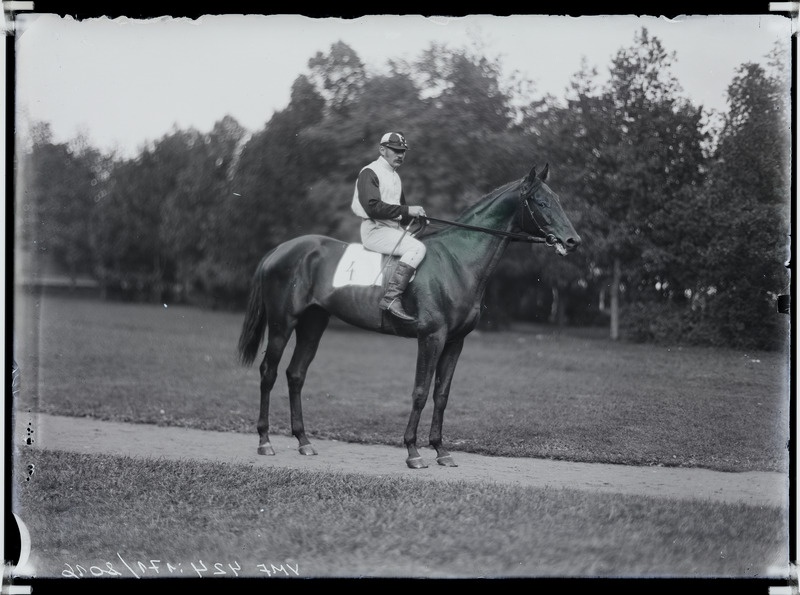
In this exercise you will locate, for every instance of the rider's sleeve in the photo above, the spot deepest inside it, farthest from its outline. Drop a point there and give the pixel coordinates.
(405, 218)
(369, 195)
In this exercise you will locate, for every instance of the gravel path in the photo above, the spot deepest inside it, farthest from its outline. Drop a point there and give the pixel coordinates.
(90, 436)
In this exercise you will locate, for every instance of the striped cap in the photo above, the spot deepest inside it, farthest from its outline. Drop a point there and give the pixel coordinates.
(394, 140)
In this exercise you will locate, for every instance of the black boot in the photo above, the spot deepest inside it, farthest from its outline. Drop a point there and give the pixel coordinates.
(397, 285)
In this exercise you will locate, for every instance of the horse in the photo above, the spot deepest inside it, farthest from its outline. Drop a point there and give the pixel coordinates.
(292, 291)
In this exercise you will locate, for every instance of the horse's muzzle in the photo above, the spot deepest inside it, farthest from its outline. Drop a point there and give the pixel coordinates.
(568, 245)
(573, 242)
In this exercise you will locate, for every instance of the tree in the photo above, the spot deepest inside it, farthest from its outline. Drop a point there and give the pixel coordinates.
(339, 76)
(748, 195)
(464, 127)
(59, 185)
(269, 197)
(129, 238)
(635, 161)
(161, 220)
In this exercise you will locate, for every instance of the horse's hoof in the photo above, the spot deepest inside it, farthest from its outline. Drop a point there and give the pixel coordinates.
(416, 463)
(266, 449)
(446, 461)
(307, 449)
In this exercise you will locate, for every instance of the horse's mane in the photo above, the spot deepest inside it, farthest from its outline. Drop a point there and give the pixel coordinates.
(487, 200)
(478, 206)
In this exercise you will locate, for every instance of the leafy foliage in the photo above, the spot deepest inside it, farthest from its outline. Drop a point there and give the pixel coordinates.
(60, 186)
(699, 235)
(743, 263)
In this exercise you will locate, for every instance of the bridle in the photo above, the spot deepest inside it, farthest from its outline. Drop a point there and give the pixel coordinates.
(547, 238)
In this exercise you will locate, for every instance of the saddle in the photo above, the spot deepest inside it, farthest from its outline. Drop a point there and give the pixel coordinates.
(359, 266)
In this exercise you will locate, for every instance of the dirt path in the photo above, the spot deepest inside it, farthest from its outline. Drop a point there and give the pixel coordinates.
(89, 436)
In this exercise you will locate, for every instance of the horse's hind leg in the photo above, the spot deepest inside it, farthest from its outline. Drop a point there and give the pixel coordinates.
(308, 333)
(276, 343)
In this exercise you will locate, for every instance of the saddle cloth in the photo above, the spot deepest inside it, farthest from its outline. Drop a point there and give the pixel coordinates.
(359, 266)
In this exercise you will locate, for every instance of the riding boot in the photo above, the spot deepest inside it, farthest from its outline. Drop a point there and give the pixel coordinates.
(397, 285)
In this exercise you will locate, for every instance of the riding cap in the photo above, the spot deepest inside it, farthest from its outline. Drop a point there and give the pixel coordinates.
(394, 140)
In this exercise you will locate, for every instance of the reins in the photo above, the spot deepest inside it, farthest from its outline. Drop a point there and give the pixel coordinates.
(515, 237)
(548, 239)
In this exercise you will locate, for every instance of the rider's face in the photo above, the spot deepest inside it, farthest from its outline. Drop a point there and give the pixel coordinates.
(394, 157)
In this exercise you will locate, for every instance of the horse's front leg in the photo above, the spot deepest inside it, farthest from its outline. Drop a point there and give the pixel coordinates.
(428, 349)
(441, 391)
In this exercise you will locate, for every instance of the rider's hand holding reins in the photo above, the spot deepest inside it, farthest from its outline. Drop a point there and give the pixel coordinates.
(416, 212)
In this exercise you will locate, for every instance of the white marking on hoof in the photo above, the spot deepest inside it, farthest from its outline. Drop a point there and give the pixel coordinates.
(266, 449)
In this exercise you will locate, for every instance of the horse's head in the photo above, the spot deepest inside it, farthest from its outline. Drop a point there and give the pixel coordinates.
(542, 215)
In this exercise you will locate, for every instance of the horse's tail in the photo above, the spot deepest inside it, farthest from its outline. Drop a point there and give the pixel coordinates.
(254, 325)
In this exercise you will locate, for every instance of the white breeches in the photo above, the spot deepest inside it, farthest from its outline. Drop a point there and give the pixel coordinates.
(384, 237)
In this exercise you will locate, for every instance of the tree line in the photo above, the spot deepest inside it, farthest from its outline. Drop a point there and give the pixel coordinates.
(684, 220)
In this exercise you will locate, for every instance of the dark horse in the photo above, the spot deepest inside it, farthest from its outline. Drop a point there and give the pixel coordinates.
(292, 291)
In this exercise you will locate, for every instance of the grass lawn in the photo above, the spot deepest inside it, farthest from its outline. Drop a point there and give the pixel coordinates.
(99, 515)
(532, 393)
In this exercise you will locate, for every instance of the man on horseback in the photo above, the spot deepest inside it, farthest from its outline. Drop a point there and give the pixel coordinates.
(379, 200)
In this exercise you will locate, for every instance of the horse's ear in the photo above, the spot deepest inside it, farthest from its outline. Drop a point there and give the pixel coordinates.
(545, 172)
(529, 179)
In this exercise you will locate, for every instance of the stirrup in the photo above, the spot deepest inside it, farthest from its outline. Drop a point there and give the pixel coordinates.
(397, 310)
